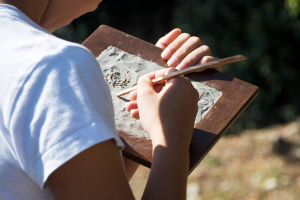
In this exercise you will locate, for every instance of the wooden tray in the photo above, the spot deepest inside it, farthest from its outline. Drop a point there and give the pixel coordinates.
(237, 95)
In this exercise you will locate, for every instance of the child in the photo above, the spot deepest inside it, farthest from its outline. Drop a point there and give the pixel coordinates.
(57, 134)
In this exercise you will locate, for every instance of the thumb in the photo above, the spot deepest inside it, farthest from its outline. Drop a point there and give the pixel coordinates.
(144, 87)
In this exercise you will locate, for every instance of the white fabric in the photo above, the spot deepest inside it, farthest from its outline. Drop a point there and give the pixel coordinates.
(54, 103)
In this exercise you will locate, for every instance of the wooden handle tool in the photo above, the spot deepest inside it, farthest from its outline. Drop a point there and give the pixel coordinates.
(189, 70)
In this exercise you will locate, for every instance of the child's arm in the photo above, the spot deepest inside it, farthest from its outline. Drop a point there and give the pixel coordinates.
(168, 117)
(96, 173)
(130, 167)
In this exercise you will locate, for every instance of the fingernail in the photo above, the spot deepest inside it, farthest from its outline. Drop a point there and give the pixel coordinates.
(173, 61)
(166, 54)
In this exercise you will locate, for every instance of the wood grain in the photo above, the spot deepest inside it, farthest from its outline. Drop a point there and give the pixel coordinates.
(237, 95)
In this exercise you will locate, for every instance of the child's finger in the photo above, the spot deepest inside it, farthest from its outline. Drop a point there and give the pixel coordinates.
(191, 45)
(156, 74)
(174, 46)
(133, 95)
(131, 105)
(207, 59)
(151, 75)
(194, 57)
(168, 39)
(135, 114)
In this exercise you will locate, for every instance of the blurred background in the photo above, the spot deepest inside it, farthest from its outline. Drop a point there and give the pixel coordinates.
(259, 156)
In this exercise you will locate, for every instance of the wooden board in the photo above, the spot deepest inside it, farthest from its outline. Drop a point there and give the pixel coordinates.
(237, 95)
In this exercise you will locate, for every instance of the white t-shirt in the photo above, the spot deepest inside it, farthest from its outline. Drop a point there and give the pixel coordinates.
(54, 103)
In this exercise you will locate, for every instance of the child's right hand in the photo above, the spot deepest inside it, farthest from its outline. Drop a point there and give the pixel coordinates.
(167, 111)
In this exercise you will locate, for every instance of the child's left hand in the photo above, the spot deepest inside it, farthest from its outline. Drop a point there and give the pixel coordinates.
(182, 51)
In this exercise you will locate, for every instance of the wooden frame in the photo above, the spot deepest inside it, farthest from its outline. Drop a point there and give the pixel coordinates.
(237, 95)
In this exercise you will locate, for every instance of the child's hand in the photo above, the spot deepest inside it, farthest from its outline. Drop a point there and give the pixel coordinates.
(167, 111)
(182, 51)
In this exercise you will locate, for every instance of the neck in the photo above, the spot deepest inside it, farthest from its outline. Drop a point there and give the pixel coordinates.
(34, 9)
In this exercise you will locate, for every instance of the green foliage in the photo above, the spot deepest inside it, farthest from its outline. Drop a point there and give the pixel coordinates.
(267, 32)
(293, 6)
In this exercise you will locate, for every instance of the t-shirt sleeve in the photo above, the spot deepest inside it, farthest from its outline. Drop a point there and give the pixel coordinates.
(63, 107)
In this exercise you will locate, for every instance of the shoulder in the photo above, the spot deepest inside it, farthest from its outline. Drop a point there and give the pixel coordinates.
(24, 39)
(53, 53)
(68, 53)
